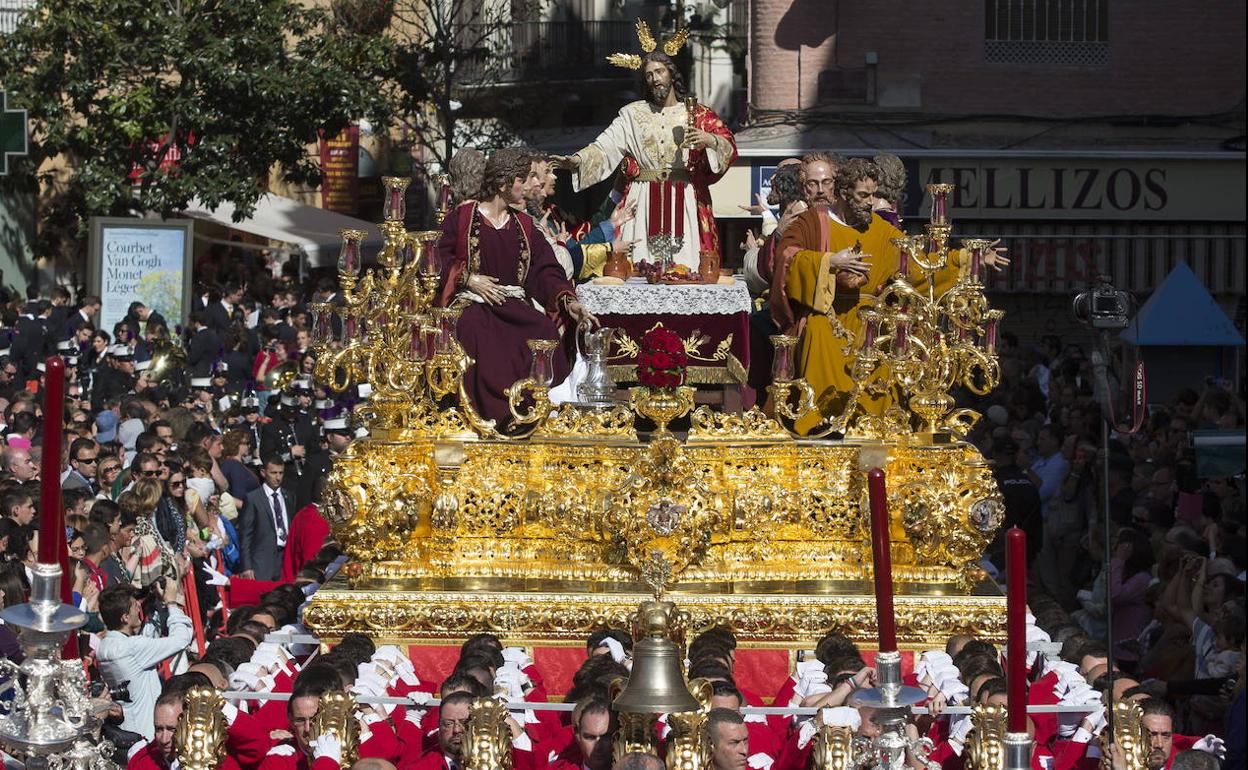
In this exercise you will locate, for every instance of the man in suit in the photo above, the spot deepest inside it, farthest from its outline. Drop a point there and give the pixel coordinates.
(220, 314)
(84, 315)
(138, 314)
(30, 341)
(83, 458)
(204, 347)
(58, 314)
(264, 525)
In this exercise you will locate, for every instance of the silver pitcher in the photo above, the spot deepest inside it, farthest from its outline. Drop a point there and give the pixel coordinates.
(597, 389)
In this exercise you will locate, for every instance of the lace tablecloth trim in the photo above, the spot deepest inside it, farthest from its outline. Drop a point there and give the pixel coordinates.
(662, 299)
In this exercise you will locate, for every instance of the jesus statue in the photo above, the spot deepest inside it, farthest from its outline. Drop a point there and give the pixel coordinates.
(670, 160)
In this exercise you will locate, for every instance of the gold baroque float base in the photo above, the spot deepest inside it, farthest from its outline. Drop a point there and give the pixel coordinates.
(791, 620)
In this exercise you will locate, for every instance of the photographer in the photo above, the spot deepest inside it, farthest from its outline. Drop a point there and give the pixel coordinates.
(130, 652)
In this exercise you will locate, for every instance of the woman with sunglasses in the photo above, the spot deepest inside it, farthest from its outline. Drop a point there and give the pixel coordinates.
(106, 473)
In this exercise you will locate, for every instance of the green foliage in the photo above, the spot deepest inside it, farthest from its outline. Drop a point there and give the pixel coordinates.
(239, 87)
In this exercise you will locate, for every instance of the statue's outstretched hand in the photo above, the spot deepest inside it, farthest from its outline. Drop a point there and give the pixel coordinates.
(568, 162)
(581, 314)
(995, 257)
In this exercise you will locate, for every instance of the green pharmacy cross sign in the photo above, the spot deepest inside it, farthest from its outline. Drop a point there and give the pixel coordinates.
(12, 133)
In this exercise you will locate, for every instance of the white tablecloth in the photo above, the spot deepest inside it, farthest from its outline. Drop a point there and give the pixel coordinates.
(636, 297)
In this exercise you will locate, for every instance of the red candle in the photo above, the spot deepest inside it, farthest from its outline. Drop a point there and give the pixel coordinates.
(1016, 627)
(51, 516)
(882, 560)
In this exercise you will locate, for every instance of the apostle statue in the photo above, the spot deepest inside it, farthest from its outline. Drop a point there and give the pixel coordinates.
(499, 268)
(670, 158)
(829, 265)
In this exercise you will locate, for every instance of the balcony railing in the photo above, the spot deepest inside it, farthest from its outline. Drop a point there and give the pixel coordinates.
(11, 13)
(549, 50)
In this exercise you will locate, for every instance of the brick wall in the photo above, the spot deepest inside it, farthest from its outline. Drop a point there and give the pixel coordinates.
(1166, 57)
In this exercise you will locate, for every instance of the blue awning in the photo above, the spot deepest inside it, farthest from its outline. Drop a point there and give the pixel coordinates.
(1181, 312)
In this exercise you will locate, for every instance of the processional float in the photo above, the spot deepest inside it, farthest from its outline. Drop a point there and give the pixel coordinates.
(567, 520)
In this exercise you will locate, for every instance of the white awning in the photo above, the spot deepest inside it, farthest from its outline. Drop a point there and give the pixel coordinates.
(314, 231)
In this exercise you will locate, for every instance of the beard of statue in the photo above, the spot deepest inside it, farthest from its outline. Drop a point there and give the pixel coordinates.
(657, 95)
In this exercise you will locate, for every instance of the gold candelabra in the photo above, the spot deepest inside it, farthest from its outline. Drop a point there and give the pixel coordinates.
(915, 341)
(388, 331)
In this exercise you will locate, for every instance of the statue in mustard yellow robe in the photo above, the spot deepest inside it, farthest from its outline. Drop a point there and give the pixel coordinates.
(828, 266)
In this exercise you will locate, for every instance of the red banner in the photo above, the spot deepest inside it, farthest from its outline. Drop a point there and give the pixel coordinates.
(169, 162)
(340, 177)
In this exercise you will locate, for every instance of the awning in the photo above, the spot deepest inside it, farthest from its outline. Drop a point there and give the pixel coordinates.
(314, 231)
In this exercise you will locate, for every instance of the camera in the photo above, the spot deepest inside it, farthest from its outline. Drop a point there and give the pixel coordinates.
(1103, 306)
(119, 693)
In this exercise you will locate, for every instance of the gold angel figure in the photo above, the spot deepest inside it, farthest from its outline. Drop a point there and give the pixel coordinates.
(199, 738)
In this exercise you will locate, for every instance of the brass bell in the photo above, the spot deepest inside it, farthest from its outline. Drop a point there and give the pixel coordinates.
(656, 684)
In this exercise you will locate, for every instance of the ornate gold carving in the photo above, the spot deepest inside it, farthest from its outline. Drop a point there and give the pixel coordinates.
(199, 738)
(752, 425)
(636, 734)
(785, 620)
(689, 746)
(577, 510)
(1127, 723)
(833, 748)
(487, 739)
(571, 422)
(336, 716)
(664, 511)
(985, 744)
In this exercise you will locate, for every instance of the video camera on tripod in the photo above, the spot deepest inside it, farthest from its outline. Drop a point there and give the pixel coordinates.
(1103, 306)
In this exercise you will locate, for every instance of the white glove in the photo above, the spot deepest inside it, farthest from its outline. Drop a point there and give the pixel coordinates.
(806, 733)
(841, 716)
(943, 674)
(617, 649)
(811, 680)
(390, 653)
(1097, 720)
(241, 680)
(808, 667)
(1213, 745)
(954, 691)
(760, 761)
(415, 716)
(366, 689)
(215, 578)
(517, 656)
(231, 713)
(1089, 697)
(327, 746)
(958, 730)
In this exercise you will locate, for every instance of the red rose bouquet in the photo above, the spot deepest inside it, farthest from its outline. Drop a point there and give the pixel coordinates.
(662, 361)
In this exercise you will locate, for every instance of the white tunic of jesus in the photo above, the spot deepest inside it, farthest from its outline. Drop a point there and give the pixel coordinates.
(653, 138)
